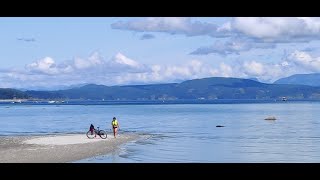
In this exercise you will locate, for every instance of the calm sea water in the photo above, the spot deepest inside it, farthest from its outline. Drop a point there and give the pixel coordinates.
(184, 132)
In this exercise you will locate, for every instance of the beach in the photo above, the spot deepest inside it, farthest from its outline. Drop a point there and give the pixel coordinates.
(58, 148)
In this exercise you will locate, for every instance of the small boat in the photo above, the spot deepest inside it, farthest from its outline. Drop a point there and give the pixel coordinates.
(284, 99)
(50, 102)
(16, 101)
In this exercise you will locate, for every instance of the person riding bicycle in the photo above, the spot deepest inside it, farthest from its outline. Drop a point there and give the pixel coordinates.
(115, 126)
(92, 130)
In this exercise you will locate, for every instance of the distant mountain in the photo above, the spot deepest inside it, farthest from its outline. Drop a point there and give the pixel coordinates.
(7, 93)
(206, 88)
(52, 88)
(302, 79)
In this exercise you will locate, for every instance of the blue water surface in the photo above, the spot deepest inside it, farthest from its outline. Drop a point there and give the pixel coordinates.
(183, 132)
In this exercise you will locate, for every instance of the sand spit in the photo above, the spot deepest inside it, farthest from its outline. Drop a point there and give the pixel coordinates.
(58, 148)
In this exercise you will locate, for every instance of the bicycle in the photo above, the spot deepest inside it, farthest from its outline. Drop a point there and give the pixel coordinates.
(99, 132)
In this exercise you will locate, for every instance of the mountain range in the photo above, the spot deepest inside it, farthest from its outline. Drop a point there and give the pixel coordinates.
(303, 79)
(206, 88)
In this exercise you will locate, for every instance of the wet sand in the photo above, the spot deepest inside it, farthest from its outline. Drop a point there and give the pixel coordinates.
(58, 148)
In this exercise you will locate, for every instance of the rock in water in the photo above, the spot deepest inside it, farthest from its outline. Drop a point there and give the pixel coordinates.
(270, 118)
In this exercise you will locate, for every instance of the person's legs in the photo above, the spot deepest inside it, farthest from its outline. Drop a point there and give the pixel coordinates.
(114, 132)
(93, 131)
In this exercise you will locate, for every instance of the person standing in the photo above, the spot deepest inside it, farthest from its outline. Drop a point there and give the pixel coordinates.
(115, 126)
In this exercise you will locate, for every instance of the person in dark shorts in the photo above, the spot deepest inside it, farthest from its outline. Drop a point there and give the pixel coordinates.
(92, 129)
(115, 126)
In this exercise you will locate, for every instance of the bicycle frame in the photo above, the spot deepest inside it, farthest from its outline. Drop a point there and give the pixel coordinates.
(98, 132)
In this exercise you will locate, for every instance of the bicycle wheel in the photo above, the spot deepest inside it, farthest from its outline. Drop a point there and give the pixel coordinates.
(102, 134)
(90, 136)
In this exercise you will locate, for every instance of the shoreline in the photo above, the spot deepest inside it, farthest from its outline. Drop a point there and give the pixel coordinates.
(58, 148)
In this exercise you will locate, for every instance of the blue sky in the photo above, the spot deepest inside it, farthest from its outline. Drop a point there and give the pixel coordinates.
(57, 52)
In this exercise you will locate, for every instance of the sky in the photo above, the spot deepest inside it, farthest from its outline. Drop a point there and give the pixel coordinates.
(55, 53)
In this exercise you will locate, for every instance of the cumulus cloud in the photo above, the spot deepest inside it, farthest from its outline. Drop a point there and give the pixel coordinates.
(47, 73)
(171, 25)
(232, 47)
(170, 73)
(123, 60)
(282, 29)
(225, 70)
(94, 60)
(147, 36)
(261, 32)
(274, 29)
(121, 63)
(122, 70)
(254, 68)
(268, 29)
(305, 60)
(48, 66)
(267, 72)
(119, 70)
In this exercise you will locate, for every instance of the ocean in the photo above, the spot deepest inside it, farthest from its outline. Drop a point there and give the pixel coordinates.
(182, 132)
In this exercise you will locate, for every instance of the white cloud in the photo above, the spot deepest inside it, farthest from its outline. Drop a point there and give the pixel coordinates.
(94, 69)
(123, 60)
(268, 29)
(169, 73)
(122, 70)
(305, 60)
(224, 27)
(119, 70)
(285, 63)
(101, 74)
(121, 63)
(263, 32)
(81, 63)
(282, 29)
(47, 66)
(94, 60)
(225, 70)
(232, 47)
(254, 68)
(267, 72)
(259, 32)
(171, 25)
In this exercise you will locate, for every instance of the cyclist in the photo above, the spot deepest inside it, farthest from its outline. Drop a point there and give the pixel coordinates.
(115, 126)
(92, 130)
